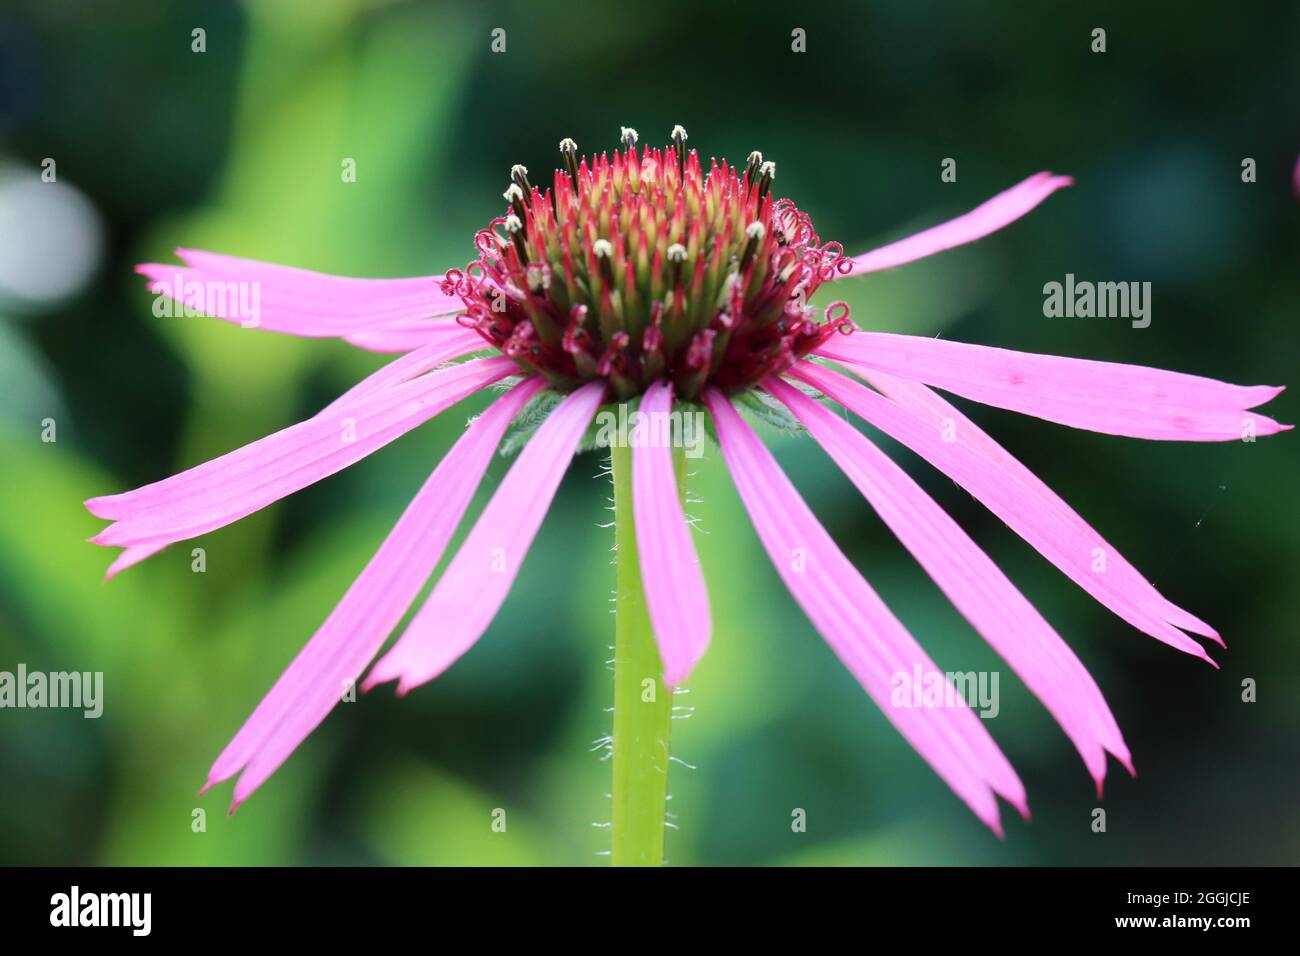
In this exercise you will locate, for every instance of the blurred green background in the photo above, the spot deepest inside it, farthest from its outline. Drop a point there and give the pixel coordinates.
(238, 150)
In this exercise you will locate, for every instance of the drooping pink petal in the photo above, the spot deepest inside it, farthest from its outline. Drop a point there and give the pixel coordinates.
(450, 342)
(923, 401)
(298, 301)
(976, 586)
(453, 343)
(405, 335)
(861, 630)
(1106, 397)
(676, 598)
(1002, 210)
(225, 489)
(252, 305)
(357, 628)
(306, 282)
(130, 557)
(472, 589)
(920, 419)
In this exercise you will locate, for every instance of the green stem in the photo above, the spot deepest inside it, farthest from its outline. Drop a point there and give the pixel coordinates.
(642, 704)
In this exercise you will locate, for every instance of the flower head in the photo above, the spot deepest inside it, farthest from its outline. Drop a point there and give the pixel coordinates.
(642, 267)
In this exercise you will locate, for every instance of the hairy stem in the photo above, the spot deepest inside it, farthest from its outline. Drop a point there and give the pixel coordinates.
(642, 704)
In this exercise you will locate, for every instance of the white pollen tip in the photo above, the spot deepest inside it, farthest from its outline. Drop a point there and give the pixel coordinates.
(755, 230)
(676, 252)
(539, 275)
(756, 157)
(768, 169)
(568, 146)
(602, 248)
(627, 132)
(679, 132)
(513, 192)
(518, 169)
(513, 224)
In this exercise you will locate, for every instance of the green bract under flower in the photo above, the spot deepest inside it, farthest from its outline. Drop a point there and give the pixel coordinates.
(638, 266)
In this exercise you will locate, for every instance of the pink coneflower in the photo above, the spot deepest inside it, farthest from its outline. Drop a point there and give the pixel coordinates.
(640, 277)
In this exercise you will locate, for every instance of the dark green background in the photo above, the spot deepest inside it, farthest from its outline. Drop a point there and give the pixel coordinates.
(238, 150)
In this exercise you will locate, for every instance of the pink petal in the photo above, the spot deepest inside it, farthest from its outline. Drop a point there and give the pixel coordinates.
(1002, 210)
(300, 302)
(131, 557)
(970, 579)
(857, 625)
(918, 418)
(1104, 397)
(406, 335)
(225, 489)
(676, 597)
(305, 282)
(472, 589)
(450, 342)
(357, 628)
(269, 308)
